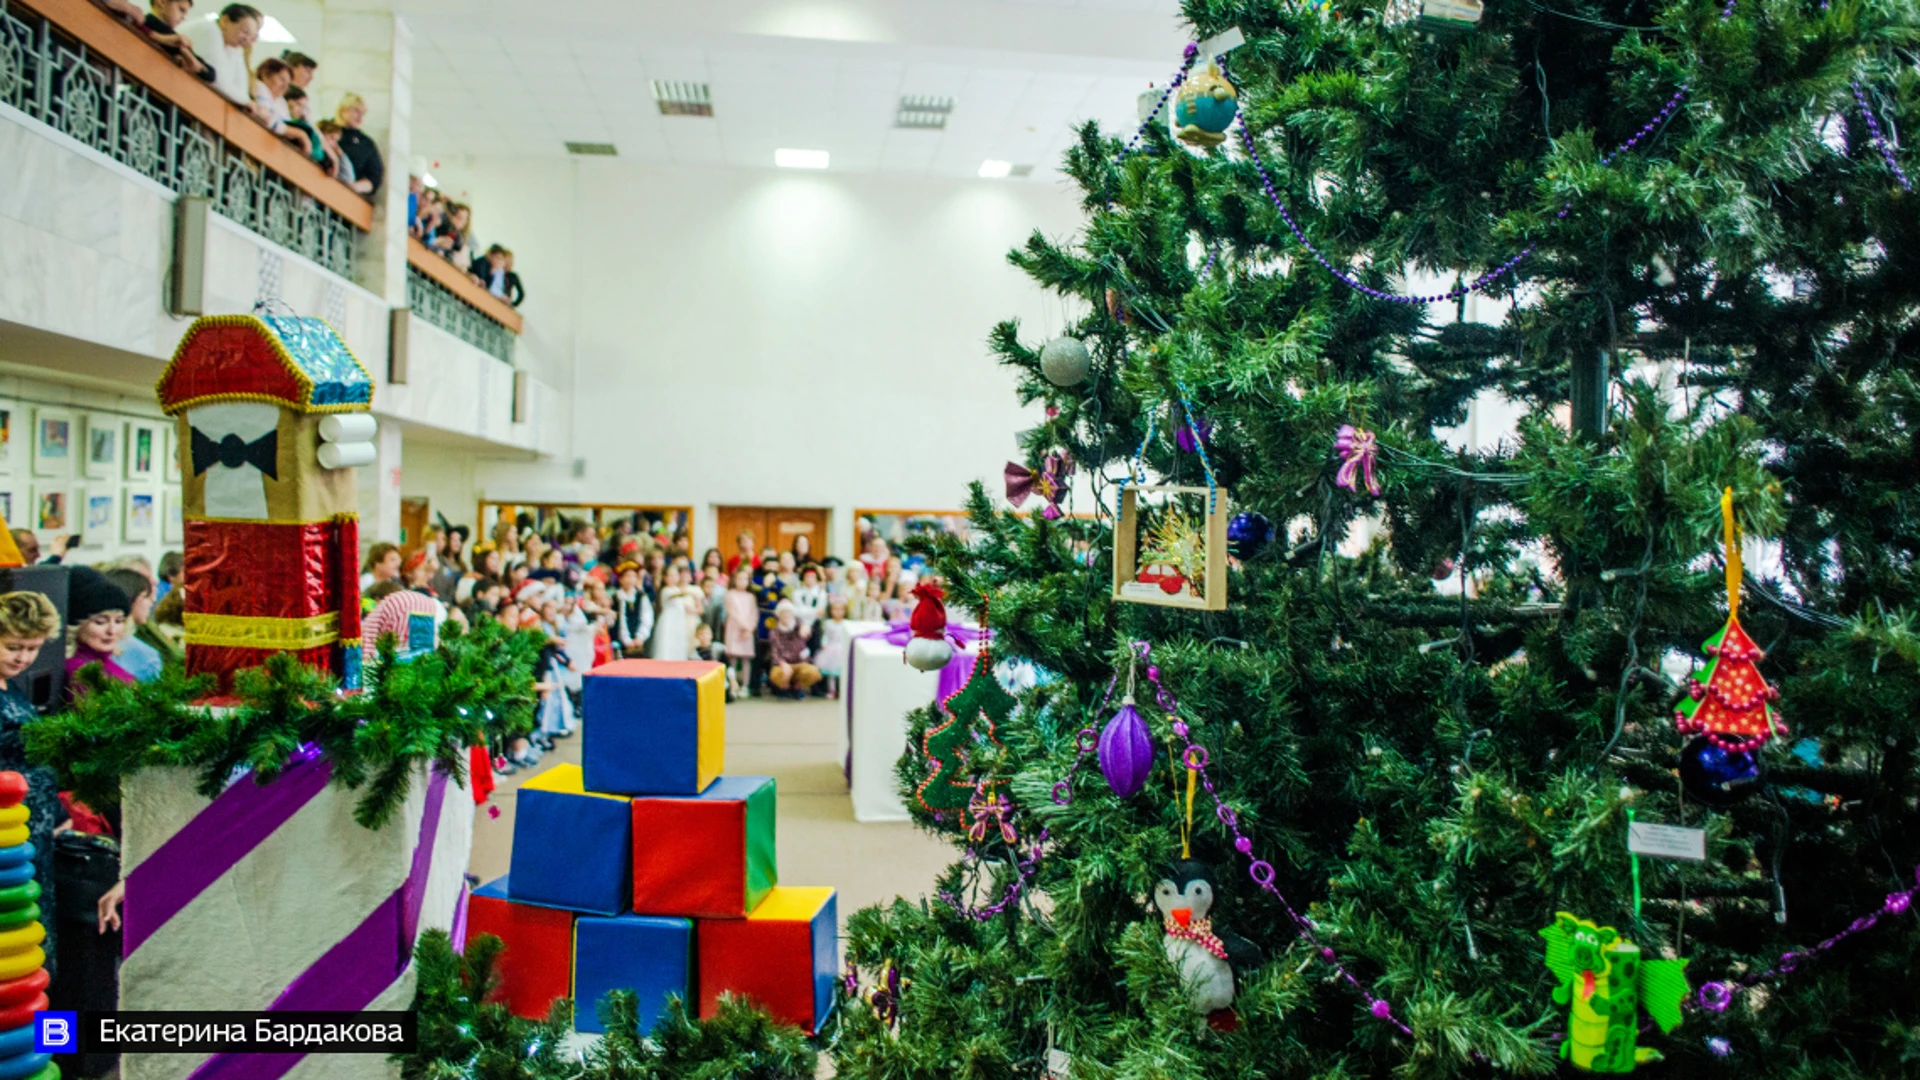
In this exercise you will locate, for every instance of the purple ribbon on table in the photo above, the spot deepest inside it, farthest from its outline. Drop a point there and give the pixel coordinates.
(952, 677)
(1358, 448)
(1050, 483)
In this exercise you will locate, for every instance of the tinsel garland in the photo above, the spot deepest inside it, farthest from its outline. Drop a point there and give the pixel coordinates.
(464, 1037)
(475, 685)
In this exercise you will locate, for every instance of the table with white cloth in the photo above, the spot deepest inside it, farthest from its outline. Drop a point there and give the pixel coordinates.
(881, 689)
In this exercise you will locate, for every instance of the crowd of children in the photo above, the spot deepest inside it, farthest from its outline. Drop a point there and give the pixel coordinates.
(780, 620)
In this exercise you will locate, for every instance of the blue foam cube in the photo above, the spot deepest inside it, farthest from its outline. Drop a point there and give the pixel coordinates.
(572, 848)
(651, 955)
(653, 727)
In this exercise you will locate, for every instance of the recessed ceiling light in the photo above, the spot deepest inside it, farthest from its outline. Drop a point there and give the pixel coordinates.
(427, 179)
(683, 98)
(922, 112)
(996, 170)
(800, 159)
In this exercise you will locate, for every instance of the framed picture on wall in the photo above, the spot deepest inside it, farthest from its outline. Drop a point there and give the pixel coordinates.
(144, 447)
(8, 504)
(53, 442)
(173, 521)
(96, 521)
(170, 465)
(8, 411)
(138, 519)
(103, 447)
(52, 508)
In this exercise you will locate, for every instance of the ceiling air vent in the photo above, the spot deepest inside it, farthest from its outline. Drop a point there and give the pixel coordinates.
(919, 112)
(1021, 172)
(683, 98)
(593, 149)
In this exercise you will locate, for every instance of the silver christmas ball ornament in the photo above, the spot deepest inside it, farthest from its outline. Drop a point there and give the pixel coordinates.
(929, 654)
(1065, 361)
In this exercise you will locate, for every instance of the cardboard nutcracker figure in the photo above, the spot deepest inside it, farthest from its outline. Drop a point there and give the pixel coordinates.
(271, 414)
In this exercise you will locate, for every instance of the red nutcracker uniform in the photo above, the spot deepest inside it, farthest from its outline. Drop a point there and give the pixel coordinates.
(272, 536)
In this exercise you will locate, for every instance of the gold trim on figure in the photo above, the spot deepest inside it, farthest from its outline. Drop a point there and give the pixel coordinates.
(261, 632)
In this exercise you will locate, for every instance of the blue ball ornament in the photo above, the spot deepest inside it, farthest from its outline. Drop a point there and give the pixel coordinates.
(1248, 534)
(1718, 777)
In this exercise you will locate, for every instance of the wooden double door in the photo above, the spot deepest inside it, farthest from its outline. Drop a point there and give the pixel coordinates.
(771, 526)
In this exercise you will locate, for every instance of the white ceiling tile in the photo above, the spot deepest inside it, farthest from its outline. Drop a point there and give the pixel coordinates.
(502, 92)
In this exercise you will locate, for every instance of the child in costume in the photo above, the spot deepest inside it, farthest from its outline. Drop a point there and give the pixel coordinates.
(788, 670)
(836, 641)
(743, 621)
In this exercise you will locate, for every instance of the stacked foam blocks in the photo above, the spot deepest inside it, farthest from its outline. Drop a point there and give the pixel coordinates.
(23, 974)
(645, 869)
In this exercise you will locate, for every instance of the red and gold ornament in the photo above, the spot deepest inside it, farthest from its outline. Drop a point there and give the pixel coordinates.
(1729, 701)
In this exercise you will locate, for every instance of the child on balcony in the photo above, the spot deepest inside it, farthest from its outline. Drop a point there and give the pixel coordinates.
(300, 127)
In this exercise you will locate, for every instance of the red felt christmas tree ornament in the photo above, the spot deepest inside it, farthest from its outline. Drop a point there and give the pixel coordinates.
(929, 650)
(1729, 701)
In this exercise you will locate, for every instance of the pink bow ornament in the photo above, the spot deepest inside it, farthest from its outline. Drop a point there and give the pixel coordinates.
(1358, 448)
(983, 807)
(1050, 483)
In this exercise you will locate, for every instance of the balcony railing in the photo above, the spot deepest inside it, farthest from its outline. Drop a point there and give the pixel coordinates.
(442, 294)
(71, 66)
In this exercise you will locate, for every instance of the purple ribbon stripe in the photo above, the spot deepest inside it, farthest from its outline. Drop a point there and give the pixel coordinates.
(237, 821)
(360, 966)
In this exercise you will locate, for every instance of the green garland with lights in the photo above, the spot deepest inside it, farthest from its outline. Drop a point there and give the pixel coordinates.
(474, 684)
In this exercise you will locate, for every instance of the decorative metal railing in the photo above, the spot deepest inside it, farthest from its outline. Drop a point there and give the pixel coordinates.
(438, 305)
(53, 78)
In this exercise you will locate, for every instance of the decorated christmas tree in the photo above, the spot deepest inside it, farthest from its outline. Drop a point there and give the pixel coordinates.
(1677, 237)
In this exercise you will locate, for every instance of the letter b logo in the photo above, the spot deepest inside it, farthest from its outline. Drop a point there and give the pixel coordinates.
(56, 1032)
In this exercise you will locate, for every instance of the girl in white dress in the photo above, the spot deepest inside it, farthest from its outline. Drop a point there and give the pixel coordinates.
(680, 605)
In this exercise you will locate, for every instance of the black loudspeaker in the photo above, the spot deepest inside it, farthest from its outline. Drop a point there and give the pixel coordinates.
(44, 681)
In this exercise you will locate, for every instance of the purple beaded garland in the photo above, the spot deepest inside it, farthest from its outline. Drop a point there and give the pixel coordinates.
(1879, 138)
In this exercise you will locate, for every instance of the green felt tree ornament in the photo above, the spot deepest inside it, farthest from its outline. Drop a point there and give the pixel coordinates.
(968, 721)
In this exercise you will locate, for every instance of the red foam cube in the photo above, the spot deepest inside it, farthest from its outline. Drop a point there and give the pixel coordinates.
(536, 967)
(707, 856)
(784, 955)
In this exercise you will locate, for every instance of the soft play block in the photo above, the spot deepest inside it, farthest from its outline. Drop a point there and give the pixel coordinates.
(654, 727)
(536, 967)
(650, 955)
(783, 955)
(571, 846)
(708, 855)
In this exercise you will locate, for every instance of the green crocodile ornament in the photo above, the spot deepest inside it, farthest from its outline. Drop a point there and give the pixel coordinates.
(1606, 983)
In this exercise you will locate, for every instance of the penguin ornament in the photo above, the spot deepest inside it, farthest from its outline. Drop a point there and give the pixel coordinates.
(1206, 957)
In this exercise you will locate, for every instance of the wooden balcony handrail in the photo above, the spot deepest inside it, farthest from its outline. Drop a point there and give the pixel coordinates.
(112, 40)
(455, 279)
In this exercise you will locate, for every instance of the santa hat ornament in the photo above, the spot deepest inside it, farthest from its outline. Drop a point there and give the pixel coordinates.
(929, 650)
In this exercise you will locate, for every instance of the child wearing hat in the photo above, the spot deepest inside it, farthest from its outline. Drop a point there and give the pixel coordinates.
(787, 653)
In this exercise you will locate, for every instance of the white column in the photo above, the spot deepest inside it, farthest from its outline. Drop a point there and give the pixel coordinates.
(369, 52)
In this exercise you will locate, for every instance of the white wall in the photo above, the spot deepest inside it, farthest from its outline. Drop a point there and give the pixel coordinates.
(23, 481)
(765, 337)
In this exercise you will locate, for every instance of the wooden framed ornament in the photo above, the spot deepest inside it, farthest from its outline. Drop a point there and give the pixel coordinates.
(1171, 549)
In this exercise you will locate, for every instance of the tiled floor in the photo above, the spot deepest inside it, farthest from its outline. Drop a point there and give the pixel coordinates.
(819, 842)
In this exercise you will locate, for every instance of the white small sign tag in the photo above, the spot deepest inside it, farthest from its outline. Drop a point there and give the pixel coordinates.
(1667, 841)
(1059, 1064)
(1222, 44)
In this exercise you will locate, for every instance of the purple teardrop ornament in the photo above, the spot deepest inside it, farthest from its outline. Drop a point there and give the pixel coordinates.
(1126, 752)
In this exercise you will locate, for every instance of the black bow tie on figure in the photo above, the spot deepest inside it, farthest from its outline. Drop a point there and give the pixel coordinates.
(262, 453)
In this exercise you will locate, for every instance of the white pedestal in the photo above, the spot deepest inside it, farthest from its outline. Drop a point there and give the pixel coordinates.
(275, 899)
